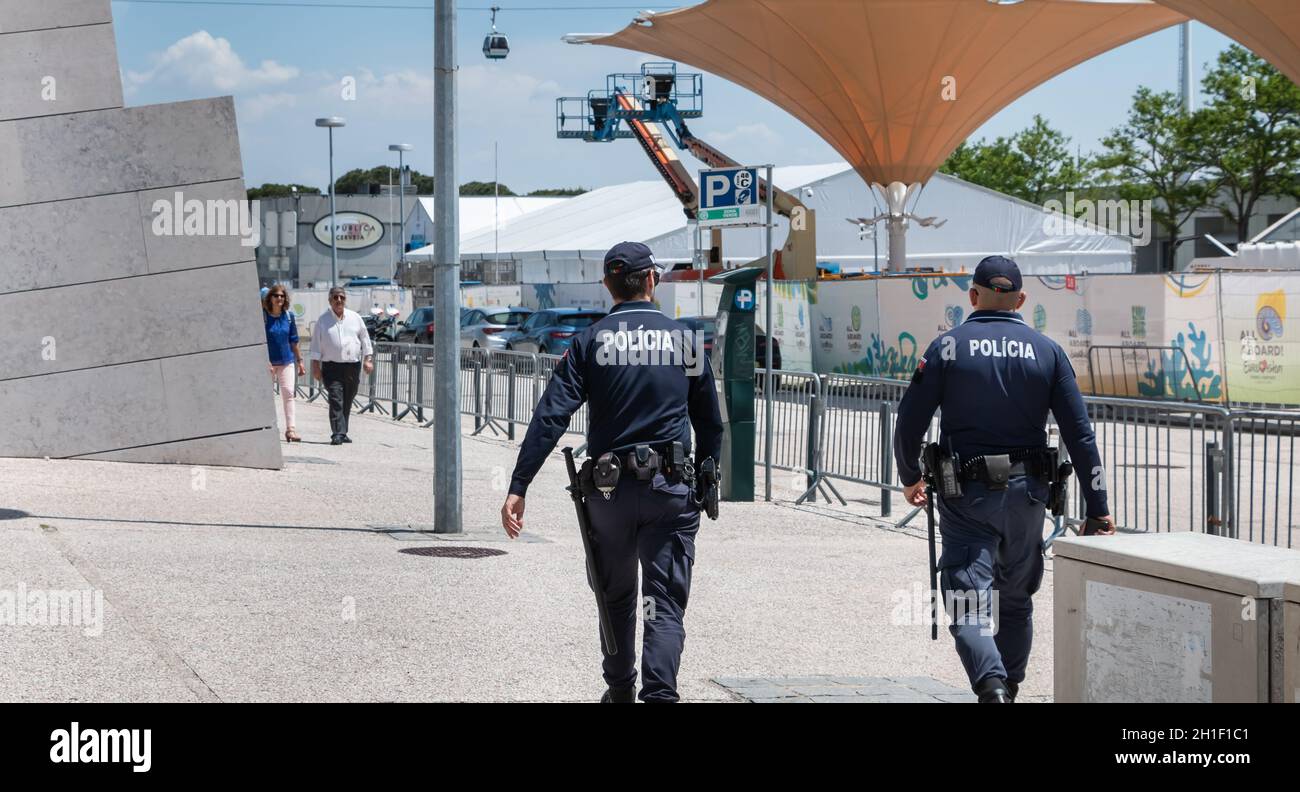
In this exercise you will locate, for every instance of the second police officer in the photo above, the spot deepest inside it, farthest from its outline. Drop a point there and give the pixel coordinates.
(640, 399)
(995, 379)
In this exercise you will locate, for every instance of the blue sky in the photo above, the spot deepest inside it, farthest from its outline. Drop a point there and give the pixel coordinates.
(284, 66)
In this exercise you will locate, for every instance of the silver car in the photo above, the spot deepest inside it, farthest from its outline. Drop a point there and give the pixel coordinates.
(487, 327)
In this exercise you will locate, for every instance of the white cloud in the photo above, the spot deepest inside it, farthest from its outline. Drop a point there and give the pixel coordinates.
(750, 134)
(204, 62)
(259, 106)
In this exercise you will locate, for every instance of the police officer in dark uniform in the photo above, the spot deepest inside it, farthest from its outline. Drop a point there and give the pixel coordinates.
(647, 383)
(995, 379)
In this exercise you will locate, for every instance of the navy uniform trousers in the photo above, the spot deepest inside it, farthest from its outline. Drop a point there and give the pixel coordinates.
(653, 522)
(993, 553)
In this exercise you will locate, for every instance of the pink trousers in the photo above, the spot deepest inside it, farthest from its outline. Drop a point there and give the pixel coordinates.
(283, 376)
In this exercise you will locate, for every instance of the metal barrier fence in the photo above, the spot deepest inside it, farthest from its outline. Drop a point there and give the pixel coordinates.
(1168, 466)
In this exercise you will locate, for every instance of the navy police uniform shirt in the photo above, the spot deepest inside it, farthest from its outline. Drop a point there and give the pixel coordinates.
(638, 391)
(995, 378)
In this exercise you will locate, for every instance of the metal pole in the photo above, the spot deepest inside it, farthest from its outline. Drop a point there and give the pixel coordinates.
(401, 204)
(702, 264)
(334, 251)
(767, 352)
(446, 278)
(401, 149)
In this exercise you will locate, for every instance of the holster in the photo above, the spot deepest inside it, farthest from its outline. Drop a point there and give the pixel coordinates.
(940, 471)
(1060, 481)
(708, 487)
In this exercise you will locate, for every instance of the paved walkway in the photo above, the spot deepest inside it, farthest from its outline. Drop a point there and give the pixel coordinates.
(226, 584)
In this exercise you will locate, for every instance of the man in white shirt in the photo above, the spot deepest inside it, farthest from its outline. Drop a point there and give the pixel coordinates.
(339, 344)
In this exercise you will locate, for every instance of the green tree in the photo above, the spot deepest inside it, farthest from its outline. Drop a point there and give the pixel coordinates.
(482, 188)
(1156, 155)
(358, 181)
(1249, 133)
(1034, 164)
(272, 190)
(558, 192)
(993, 165)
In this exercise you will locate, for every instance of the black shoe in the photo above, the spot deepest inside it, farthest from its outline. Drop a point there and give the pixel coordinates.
(347, 439)
(1012, 689)
(993, 690)
(625, 695)
(336, 440)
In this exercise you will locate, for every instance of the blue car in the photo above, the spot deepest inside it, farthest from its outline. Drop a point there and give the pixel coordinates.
(551, 331)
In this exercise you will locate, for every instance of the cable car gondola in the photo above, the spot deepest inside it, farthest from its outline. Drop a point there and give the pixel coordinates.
(495, 45)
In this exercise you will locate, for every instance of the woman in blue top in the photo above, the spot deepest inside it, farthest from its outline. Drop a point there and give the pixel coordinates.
(282, 345)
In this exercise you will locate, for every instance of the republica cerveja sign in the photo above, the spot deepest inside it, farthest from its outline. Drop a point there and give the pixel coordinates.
(352, 230)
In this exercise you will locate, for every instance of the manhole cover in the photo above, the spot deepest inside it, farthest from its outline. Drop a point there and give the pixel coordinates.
(452, 551)
(12, 514)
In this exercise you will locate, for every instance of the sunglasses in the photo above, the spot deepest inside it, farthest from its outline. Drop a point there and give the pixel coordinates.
(338, 298)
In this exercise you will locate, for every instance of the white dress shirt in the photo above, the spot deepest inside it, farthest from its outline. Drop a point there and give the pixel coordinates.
(345, 340)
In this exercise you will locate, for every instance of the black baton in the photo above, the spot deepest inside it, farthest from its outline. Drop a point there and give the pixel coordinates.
(934, 567)
(593, 570)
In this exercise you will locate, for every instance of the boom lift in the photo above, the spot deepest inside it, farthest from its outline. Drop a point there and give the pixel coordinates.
(652, 106)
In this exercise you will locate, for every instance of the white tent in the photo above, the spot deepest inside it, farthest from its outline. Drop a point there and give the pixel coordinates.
(977, 222)
(477, 213)
(566, 243)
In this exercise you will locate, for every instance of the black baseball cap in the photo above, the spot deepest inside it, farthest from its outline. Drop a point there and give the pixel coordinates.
(998, 273)
(628, 257)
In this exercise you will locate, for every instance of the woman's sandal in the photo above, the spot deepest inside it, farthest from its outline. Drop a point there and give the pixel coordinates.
(290, 436)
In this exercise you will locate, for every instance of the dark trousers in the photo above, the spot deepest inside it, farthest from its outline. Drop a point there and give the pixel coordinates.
(654, 523)
(993, 557)
(341, 383)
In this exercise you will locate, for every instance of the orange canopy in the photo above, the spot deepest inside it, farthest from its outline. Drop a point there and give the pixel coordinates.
(893, 85)
(1270, 28)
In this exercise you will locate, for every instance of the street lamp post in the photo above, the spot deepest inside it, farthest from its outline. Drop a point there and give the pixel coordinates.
(331, 123)
(401, 149)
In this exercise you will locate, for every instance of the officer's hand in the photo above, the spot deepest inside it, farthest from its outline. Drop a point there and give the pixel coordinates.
(512, 515)
(915, 493)
(1110, 526)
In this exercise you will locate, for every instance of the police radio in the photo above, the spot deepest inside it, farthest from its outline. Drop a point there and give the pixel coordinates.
(941, 471)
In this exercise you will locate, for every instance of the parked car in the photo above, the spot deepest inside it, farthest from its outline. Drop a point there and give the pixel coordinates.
(552, 330)
(418, 327)
(488, 327)
(357, 283)
(707, 327)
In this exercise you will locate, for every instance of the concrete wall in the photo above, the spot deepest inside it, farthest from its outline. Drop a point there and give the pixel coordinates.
(99, 361)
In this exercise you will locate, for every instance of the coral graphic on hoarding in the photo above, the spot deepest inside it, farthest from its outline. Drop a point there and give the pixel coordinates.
(545, 295)
(921, 286)
(1176, 372)
(894, 362)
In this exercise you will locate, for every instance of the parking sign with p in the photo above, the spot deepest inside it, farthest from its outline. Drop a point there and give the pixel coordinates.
(729, 196)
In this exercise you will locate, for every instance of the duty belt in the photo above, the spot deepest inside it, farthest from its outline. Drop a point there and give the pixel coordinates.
(643, 461)
(996, 469)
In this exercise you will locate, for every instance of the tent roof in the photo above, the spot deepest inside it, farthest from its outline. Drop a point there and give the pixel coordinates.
(869, 76)
(1271, 28)
(477, 211)
(979, 222)
(595, 221)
